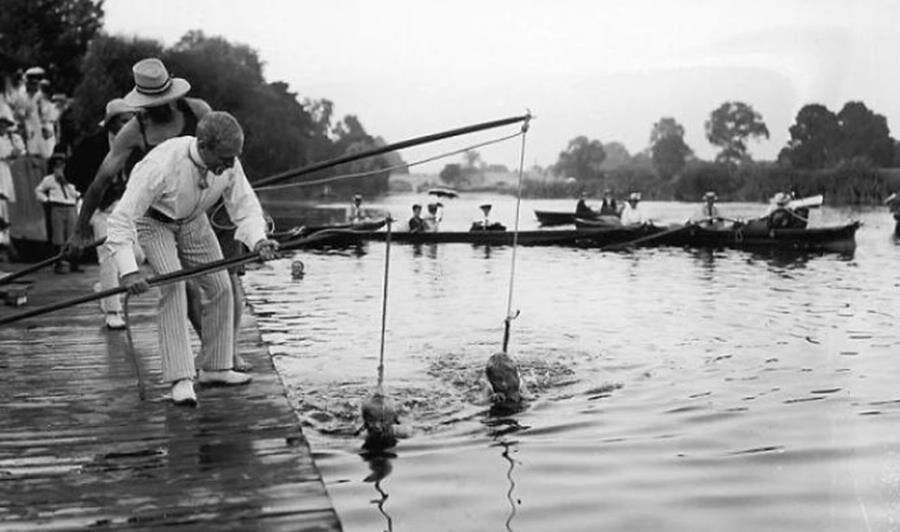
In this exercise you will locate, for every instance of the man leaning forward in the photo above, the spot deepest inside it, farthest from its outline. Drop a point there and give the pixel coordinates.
(164, 207)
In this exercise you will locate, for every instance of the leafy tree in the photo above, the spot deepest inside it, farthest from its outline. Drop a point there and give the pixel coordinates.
(616, 155)
(53, 34)
(669, 151)
(106, 70)
(453, 175)
(815, 136)
(864, 134)
(582, 159)
(729, 127)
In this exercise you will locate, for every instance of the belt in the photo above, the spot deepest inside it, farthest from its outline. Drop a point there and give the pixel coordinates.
(165, 218)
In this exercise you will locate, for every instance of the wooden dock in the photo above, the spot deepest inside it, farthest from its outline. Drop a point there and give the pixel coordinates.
(79, 449)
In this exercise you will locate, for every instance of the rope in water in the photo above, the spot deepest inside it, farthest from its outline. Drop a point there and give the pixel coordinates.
(227, 227)
(512, 270)
(384, 299)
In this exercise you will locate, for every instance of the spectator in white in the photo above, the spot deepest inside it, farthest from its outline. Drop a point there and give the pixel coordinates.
(62, 198)
(434, 217)
(36, 112)
(118, 113)
(633, 214)
(708, 214)
(10, 147)
(356, 213)
(164, 209)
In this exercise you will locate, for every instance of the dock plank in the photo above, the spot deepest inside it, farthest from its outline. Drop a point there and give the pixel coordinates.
(79, 449)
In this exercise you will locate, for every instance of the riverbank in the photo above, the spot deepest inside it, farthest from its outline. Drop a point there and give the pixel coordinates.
(79, 448)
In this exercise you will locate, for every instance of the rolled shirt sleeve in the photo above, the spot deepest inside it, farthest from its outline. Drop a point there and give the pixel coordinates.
(144, 186)
(244, 209)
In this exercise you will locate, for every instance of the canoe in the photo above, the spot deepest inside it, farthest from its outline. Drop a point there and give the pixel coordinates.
(817, 238)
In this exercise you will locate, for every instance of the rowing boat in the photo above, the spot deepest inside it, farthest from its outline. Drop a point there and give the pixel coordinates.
(835, 238)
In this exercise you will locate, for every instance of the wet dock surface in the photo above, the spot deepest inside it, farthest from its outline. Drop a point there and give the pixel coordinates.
(79, 449)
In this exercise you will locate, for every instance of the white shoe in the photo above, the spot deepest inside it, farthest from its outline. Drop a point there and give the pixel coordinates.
(225, 377)
(183, 393)
(114, 321)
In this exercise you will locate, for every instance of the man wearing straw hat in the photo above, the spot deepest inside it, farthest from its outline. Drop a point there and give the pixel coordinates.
(708, 215)
(165, 204)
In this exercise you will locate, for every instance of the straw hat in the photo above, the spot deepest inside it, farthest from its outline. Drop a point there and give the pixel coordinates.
(710, 195)
(116, 107)
(485, 206)
(35, 72)
(153, 85)
(634, 196)
(893, 199)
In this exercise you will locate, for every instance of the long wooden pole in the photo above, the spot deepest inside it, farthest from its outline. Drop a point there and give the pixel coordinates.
(6, 279)
(172, 277)
(289, 174)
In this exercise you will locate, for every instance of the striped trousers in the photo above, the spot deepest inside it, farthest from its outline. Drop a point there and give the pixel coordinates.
(170, 247)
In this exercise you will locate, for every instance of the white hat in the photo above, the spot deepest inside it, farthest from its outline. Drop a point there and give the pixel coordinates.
(781, 198)
(634, 196)
(35, 72)
(710, 195)
(892, 199)
(153, 85)
(115, 107)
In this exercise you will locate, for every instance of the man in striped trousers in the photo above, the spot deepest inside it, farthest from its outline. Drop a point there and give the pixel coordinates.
(164, 207)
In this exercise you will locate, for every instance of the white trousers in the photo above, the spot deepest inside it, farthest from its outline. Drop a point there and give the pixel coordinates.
(109, 270)
(173, 246)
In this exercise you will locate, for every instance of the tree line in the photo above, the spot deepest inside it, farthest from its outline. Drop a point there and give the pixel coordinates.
(282, 131)
(842, 155)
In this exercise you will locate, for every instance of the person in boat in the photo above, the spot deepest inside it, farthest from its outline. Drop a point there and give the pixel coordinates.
(801, 218)
(609, 206)
(484, 223)
(434, 217)
(57, 192)
(356, 214)
(165, 207)
(633, 213)
(782, 216)
(893, 204)
(416, 223)
(708, 215)
(582, 210)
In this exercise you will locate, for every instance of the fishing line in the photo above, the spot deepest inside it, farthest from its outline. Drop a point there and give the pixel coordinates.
(384, 299)
(314, 182)
(512, 270)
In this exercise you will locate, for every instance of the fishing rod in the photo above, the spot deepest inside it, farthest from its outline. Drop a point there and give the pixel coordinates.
(315, 167)
(176, 276)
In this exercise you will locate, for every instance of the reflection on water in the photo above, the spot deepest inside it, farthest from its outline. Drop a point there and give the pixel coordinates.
(380, 465)
(667, 388)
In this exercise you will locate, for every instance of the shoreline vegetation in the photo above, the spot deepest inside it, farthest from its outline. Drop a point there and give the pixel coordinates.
(853, 183)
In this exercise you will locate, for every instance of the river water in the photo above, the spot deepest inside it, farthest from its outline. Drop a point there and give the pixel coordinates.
(669, 389)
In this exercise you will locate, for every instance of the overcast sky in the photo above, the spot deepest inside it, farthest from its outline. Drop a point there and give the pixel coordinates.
(605, 69)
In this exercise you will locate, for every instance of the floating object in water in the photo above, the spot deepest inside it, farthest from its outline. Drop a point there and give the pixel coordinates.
(503, 375)
(379, 417)
(298, 269)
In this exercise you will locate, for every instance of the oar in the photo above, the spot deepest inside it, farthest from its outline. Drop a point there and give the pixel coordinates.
(43, 264)
(173, 277)
(648, 238)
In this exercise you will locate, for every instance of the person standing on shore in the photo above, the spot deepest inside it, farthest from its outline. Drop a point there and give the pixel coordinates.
(164, 207)
(86, 158)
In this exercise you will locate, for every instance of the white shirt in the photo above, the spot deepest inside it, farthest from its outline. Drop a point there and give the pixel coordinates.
(633, 215)
(172, 180)
(50, 189)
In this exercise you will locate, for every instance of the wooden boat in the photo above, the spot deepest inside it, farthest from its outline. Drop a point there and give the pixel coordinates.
(550, 218)
(758, 236)
(548, 237)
